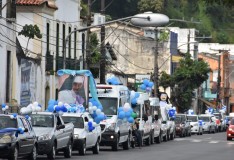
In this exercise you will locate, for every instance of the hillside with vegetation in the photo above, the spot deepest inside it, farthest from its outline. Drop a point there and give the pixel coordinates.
(216, 16)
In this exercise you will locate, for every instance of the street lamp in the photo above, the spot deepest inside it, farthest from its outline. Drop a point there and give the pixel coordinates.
(156, 20)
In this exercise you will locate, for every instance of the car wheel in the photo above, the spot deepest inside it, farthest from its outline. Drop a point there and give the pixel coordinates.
(152, 137)
(33, 154)
(115, 145)
(229, 139)
(172, 136)
(52, 153)
(126, 144)
(68, 150)
(14, 156)
(165, 138)
(158, 139)
(82, 149)
(96, 148)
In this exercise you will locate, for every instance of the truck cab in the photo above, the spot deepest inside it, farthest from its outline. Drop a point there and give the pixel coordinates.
(115, 131)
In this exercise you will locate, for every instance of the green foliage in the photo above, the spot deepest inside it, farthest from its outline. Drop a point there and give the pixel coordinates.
(95, 54)
(31, 31)
(164, 80)
(84, 10)
(164, 35)
(188, 76)
(151, 5)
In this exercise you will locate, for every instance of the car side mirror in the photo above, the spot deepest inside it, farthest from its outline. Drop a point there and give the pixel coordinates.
(25, 129)
(60, 127)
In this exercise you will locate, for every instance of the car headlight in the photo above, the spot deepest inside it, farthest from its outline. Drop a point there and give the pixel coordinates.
(5, 139)
(230, 129)
(44, 137)
(76, 136)
(111, 127)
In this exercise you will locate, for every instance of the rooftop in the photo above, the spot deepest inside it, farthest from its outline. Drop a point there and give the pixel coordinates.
(49, 3)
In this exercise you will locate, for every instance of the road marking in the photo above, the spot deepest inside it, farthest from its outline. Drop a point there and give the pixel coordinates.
(180, 139)
(230, 143)
(214, 142)
(196, 140)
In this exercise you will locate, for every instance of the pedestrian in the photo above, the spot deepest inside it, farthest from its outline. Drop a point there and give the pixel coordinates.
(136, 132)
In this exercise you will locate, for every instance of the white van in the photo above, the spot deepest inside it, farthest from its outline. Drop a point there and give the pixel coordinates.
(145, 118)
(209, 124)
(114, 130)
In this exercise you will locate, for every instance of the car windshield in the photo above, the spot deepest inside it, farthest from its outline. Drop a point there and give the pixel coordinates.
(109, 105)
(42, 120)
(77, 121)
(232, 121)
(178, 120)
(192, 118)
(7, 122)
(205, 119)
(183, 117)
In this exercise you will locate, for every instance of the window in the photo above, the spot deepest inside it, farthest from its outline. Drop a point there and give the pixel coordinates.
(1, 7)
(25, 124)
(11, 9)
(59, 122)
(86, 119)
(29, 125)
(75, 39)
(48, 37)
(64, 34)
(69, 50)
(57, 47)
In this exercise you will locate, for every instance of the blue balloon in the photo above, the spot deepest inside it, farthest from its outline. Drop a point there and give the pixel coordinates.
(134, 101)
(143, 86)
(60, 72)
(130, 110)
(97, 120)
(137, 95)
(150, 84)
(64, 109)
(101, 117)
(51, 102)
(51, 108)
(3, 105)
(145, 82)
(128, 114)
(130, 120)
(58, 108)
(121, 115)
(120, 109)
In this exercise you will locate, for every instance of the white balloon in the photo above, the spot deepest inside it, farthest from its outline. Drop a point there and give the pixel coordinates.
(7, 107)
(95, 124)
(90, 104)
(38, 109)
(34, 108)
(126, 107)
(140, 101)
(91, 120)
(90, 108)
(91, 112)
(132, 95)
(35, 104)
(4, 109)
(30, 106)
(98, 111)
(94, 108)
(24, 110)
(60, 104)
(55, 106)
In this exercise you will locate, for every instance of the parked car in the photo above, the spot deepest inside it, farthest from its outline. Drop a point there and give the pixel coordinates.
(209, 124)
(12, 143)
(230, 130)
(52, 134)
(183, 127)
(196, 128)
(83, 137)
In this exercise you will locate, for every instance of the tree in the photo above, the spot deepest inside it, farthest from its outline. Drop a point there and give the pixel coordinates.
(30, 31)
(164, 80)
(188, 76)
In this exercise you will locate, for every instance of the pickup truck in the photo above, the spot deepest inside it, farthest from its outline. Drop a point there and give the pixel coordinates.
(83, 137)
(52, 134)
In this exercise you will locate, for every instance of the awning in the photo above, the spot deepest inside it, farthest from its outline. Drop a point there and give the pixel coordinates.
(207, 102)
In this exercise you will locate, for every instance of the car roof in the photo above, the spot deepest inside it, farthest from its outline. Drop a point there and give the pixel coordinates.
(205, 115)
(44, 113)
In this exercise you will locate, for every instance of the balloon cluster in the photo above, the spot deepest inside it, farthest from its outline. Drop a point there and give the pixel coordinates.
(13, 116)
(147, 85)
(126, 113)
(209, 110)
(28, 118)
(90, 126)
(95, 109)
(4, 107)
(200, 122)
(134, 96)
(33, 107)
(113, 81)
(172, 112)
(223, 109)
(190, 112)
(60, 107)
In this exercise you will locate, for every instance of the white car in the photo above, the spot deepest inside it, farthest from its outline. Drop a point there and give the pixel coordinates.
(83, 138)
(196, 128)
(209, 124)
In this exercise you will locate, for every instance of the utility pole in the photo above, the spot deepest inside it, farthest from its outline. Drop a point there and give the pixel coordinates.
(156, 65)
(218, 82)
(103, 53)
(87, 59)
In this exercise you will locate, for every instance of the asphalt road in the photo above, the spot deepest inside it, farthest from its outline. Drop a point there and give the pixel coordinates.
(205, 147)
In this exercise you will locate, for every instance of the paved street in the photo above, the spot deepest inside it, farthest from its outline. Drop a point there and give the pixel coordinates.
(205, 147)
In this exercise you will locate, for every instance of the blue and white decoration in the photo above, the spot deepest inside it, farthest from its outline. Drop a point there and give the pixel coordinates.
(95, 109)
(125, 113)
(33, 107)
(13, 116)
(172, 112)
(134, 97)
(209, 110)
(190, 112)
(200, 122)
(223, 109)
(147, 85)
(10, 130)
(113, 81)
(4, 107)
